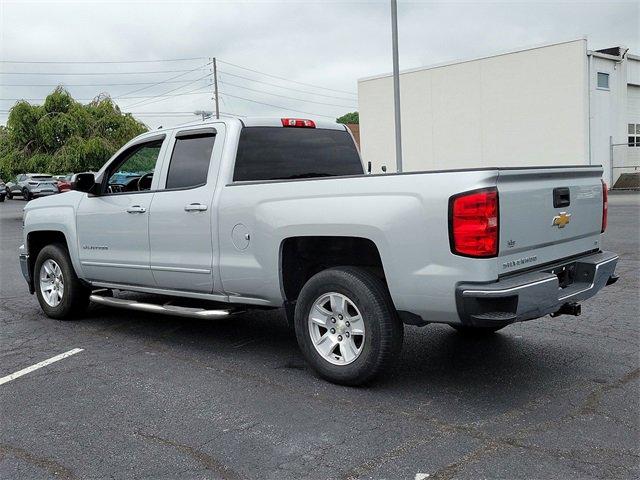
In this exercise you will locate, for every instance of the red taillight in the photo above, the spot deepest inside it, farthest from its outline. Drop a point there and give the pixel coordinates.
(605, 206)
(473, 223)
(298, 122)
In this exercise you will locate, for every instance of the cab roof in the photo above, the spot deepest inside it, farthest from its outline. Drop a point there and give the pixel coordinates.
(278, 122)
(265, 122)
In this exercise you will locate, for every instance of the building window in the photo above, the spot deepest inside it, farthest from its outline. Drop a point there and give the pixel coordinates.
(634, 135)
(603, 80)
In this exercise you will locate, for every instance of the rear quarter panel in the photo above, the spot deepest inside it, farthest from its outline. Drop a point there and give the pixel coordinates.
(405, 216)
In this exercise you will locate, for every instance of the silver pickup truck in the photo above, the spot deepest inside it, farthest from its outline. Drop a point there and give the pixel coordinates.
(222, 216)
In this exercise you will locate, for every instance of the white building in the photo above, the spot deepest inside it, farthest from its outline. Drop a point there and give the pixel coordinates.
(557, 104)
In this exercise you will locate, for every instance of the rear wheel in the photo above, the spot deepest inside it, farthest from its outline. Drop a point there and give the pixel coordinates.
(2, 198)
(346, 325)
(60, 293)
(476, 331)
(9, 194)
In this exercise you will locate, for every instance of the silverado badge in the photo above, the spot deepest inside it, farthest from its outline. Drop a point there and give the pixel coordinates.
(561, 220)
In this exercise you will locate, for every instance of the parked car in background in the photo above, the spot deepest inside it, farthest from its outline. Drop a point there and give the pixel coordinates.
(32, 185)
(64, 182)
(3, 190)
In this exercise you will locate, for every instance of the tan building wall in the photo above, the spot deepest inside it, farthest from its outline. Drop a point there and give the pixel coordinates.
(523, 108)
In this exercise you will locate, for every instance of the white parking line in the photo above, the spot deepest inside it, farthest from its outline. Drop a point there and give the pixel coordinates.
(44, 363)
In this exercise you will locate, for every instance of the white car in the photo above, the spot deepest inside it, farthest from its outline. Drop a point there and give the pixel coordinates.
(272, 213)
(32, 185)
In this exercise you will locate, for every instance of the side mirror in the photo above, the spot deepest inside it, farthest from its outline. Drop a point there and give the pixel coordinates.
(84, 182)
(368, 167)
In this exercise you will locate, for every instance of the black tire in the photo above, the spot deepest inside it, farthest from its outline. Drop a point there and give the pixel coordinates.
(26, 194)
(9, 194)
(75, 298)
(1, 198)
(383, 328)
(470, 331)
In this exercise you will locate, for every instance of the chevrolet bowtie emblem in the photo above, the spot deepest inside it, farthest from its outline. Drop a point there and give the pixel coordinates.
(561, 220)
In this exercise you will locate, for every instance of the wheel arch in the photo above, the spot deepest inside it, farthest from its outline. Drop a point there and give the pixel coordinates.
(37, 239)
(301, 257)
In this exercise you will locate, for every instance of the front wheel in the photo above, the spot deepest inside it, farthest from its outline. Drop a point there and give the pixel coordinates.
(1, 198)
(346, 325)
(9, 194)
(26, 195)
(60, 293)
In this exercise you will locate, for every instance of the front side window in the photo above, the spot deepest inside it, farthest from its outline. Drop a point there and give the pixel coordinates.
(133, 171)
(603, 80)
(190, 160)
(275, 153)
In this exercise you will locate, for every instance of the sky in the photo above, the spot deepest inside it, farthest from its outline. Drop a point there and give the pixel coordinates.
(295, 58)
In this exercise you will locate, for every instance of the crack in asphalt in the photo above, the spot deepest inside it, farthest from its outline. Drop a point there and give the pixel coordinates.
(204, 459)
(51, 466)
(515, 440)
(594, 398)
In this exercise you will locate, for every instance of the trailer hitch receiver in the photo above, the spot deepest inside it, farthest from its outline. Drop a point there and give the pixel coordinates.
(574, 309)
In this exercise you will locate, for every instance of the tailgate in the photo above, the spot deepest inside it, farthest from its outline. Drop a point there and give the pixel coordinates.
(547, 214)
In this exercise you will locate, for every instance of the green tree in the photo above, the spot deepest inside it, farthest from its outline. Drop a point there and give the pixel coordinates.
(352, 117)
(63, 135)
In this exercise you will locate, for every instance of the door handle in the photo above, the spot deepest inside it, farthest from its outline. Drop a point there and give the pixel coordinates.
(195, 207)
(136, 209)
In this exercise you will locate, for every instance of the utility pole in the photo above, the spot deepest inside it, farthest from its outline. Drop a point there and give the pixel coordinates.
(215, 87)
(396, 82)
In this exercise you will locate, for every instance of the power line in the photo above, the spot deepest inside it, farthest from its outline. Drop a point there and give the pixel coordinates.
(285, 88)
(138, 113)
(188, 114)
(286, 79)
(100, 61)
(164, 97)
(285, 96)
(159, 114)
(87, 84)
(168, 93)
(121, 98)
(276, 106)
(166, 80)
(96, 73)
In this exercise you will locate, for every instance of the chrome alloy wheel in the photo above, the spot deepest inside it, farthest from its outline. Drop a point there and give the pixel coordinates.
(336, 328)
(51, 282)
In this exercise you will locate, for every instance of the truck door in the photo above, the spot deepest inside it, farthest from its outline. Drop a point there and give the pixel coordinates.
(182, 221)
(113, 227)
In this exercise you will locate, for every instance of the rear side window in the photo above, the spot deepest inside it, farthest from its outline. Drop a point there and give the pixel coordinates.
(276, 153)
(190, 160)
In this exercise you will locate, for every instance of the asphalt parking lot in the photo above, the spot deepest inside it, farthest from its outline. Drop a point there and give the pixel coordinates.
(164, 397)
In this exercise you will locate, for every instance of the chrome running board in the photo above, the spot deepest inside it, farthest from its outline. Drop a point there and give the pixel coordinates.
(164, 309)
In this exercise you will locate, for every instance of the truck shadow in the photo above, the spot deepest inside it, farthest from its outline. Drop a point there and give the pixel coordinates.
(435, 363)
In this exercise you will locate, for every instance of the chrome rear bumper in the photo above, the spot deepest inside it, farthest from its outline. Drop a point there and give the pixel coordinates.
(535, 294)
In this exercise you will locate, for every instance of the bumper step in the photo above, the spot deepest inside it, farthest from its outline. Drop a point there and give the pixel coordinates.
(495, 316)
